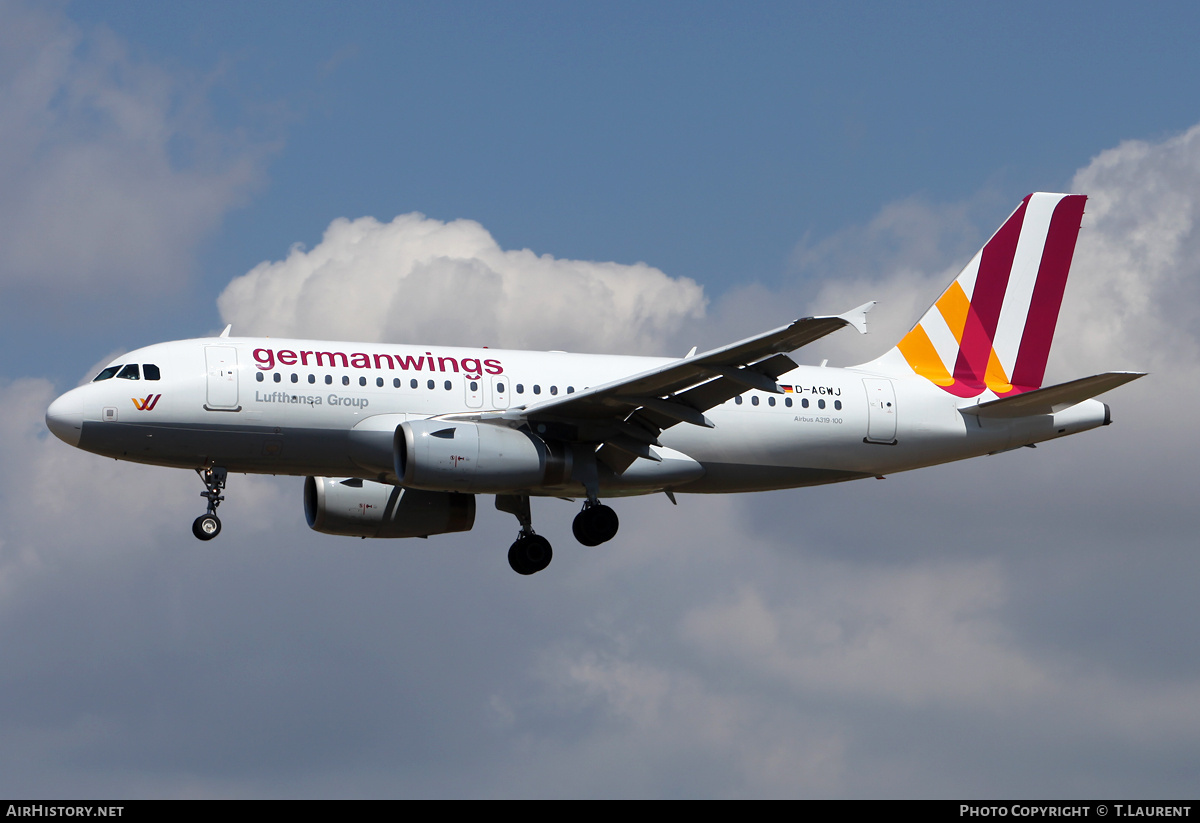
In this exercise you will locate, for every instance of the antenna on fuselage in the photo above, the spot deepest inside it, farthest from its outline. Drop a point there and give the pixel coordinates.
(227, 330)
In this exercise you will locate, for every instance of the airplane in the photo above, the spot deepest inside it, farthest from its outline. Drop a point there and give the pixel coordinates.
(398, 440)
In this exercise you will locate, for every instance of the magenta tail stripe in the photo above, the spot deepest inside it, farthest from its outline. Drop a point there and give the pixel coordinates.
(991, 283)
(1047, 297)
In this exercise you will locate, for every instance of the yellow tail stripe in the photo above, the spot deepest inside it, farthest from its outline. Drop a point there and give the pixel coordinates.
(918, 350)
(995, 378)
(954, 305)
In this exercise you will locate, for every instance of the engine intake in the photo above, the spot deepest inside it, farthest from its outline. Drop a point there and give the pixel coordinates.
(448, 455)
(363, 508)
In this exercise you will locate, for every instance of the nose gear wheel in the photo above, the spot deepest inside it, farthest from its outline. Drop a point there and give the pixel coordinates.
(207, 526)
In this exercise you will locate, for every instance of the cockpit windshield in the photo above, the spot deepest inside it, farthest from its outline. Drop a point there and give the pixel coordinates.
(149, 371)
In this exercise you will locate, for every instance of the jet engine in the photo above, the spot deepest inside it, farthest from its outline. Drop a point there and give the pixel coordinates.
(363, 508)
(448, 455)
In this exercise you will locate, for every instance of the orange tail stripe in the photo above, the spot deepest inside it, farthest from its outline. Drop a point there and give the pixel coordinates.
(994, 377)
(954, 305)
(918, 350)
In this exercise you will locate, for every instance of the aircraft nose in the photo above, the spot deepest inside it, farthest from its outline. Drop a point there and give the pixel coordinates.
(65, 417)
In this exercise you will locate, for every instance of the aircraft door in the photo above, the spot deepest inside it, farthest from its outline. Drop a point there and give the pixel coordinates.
(474, 387)
(501, 389)
(221, 363)
(881, 410)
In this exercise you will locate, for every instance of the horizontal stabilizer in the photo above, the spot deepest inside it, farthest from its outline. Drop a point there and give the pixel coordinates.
(1053, 399)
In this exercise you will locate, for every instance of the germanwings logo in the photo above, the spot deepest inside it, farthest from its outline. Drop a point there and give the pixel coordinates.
(991, 330)
(145, 403)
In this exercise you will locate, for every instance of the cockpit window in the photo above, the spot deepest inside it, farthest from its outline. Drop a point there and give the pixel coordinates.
(106, 374)
(130, 372)
(150, 371)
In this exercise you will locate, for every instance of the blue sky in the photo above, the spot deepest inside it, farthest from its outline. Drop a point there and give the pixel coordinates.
(763, 162)
(702, 139)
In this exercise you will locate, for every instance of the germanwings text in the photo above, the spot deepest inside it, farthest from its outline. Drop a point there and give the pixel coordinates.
(266, 359)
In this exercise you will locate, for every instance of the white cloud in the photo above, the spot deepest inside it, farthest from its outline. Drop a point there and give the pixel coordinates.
(424, 281)
(109, 171)
(1133, 301)
(932, 630)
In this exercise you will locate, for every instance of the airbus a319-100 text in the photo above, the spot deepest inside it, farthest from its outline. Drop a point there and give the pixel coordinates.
(397, 441)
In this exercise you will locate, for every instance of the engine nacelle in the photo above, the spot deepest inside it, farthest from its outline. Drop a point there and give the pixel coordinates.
(448, 455)
(363, 508)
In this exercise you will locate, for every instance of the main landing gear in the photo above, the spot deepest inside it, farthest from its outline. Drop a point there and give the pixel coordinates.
(596, 524)
(531, 552)
(207, 526)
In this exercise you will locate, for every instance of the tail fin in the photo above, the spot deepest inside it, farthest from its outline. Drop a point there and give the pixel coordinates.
(992, 329)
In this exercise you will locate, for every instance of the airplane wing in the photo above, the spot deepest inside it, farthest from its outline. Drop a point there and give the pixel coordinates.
(627, 415)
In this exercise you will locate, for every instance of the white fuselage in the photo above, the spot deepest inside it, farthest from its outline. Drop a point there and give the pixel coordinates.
(300, 407)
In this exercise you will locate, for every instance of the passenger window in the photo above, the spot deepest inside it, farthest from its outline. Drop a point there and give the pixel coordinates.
(379, 382)
(499, 388)
(106, 374)
(474, 386)
(362, 381)
(787, 401)
(295, 377)
(345, 380)
(570, 389)
(150, 371)
(537, 389)
(804, 402)
(738, 400)
(447, 384)
(754, 400)
(395, 382)
(412, 384)
(258, 376)
(429, 385)
(130, 372)
(520, 388)
(312, 378)
(329, 380)
(837, 404)
(277, 377)
(820, 404)
(770, 401)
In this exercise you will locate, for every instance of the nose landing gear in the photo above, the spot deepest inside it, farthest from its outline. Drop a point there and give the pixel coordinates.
(207, 526)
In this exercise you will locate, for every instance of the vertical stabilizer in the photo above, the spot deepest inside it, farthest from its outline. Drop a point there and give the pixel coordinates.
(991, 329)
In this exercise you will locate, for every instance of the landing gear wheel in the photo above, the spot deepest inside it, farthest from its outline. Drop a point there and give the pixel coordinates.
(595, 525)
(206, 526)
(530, 554)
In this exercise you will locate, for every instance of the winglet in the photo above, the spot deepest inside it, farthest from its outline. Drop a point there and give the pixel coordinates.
(858, 317)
